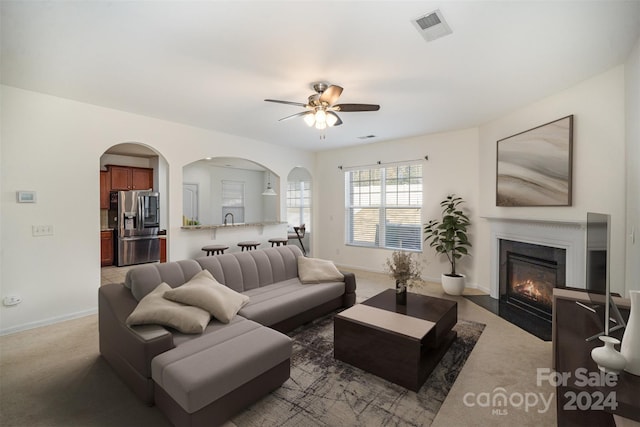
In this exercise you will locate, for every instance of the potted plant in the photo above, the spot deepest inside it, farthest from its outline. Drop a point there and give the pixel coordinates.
(404, 269)
(449, 237)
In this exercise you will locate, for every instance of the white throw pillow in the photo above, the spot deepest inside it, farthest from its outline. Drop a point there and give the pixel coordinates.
(205, 292)
(315, 270)
(154, 309)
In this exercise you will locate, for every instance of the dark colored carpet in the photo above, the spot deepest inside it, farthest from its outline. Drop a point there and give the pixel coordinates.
(323, 391)
(525, 321)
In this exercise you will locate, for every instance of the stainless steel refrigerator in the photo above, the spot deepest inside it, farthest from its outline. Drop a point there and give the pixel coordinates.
(135, 217)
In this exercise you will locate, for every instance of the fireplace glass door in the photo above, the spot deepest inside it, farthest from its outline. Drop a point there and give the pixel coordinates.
(530, 282)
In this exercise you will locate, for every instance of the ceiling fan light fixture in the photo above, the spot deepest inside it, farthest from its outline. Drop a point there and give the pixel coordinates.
(309, 119)
(331, 119)
(321, 107)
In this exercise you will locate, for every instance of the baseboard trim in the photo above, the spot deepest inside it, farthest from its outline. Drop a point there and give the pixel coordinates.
(426, 279)
(480, 288)
(49, 321)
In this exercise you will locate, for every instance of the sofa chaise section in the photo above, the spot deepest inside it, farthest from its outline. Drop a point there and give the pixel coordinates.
(206, 381)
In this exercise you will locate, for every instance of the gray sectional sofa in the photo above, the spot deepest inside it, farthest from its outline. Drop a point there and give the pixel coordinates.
(204, 379)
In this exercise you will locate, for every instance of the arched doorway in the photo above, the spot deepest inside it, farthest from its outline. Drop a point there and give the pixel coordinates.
(132, 167)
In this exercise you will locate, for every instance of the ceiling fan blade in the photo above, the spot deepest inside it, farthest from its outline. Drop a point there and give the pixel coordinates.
(299, 104)
(338, 121)
(331, 94)
(356, 107)
(294, 115)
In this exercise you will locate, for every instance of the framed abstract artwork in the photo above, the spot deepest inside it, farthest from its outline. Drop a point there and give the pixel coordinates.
(534, 167)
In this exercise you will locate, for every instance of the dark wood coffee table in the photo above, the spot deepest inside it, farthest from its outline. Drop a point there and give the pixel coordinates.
(400, 343)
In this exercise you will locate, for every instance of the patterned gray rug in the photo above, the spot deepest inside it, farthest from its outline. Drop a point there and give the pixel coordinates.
(323, 391)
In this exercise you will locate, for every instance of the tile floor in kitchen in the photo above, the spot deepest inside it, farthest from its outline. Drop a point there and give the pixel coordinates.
(113, 274)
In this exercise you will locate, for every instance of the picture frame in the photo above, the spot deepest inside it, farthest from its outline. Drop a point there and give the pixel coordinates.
(26, 196)
(534, 167)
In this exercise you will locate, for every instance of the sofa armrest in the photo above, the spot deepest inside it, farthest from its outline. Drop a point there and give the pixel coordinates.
(349, 298)
(115, 303)
(149, 332)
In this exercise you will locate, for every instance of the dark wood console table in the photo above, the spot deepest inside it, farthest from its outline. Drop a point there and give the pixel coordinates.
(572, 324)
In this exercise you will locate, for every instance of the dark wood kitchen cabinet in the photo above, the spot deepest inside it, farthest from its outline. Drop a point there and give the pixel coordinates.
(105, 187)
(130, 178)
(141, 179)
(120, 177)
(163, 249)
(106, 247)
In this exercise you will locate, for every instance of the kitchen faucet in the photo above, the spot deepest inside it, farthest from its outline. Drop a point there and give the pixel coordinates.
(225, 218)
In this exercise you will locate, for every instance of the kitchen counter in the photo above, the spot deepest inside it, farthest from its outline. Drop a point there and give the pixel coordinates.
(239, 226)
(218, 226)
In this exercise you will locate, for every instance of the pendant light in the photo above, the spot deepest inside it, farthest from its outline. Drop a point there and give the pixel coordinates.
(269, 191)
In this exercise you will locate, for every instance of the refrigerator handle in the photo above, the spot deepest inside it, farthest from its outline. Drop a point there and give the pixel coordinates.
(140, 217)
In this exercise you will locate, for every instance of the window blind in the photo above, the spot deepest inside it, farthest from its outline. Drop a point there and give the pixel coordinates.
(383, 207)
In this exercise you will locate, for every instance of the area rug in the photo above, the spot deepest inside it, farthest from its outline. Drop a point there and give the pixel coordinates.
(323, 391)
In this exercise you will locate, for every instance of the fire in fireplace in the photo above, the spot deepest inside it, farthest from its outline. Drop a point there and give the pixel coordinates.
(528, 274)
(530, 283)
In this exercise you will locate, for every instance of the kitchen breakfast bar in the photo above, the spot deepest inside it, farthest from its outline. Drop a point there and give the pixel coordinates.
(198, 236)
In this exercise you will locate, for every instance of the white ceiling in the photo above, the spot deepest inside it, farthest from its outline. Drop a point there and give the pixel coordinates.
(212, 63)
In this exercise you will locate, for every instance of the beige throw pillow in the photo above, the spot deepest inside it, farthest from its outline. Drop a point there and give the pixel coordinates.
(205, 292)
(154, 309)
(315, 270)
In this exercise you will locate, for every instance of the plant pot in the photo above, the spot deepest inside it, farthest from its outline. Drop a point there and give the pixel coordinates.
(453, 285)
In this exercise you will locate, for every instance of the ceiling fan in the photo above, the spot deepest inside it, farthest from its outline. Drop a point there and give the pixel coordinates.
(321, 107)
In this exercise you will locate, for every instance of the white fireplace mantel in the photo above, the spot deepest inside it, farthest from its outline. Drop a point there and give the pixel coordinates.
(564, 234)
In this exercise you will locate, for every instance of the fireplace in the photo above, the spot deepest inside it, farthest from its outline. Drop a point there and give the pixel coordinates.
(528, 274)
(534, 256)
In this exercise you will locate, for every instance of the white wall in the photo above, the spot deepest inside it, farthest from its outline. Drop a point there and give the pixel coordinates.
(53, 146)
(632, 81)
(452, 167)
(598, 162)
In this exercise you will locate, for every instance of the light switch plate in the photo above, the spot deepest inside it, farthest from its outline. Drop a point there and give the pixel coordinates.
(26, 196)
(42, 230)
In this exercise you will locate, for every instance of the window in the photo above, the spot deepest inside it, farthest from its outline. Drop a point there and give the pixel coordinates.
(233, 200)
(384, 207)
(299, 203)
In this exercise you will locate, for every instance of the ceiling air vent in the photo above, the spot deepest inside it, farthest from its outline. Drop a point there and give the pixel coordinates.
(432, 25)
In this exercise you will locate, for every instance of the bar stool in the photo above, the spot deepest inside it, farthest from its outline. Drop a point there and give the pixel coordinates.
(215, 249)
(277, 241)
(248, 245)
(299, 234)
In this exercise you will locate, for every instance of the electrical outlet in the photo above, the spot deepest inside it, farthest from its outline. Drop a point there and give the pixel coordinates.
(12, 300)
(42, 230)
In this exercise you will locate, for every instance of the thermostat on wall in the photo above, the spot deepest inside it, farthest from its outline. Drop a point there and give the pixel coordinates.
(26, 196)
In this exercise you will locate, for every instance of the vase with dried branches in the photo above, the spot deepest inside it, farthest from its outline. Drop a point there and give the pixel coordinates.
(405, 269)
